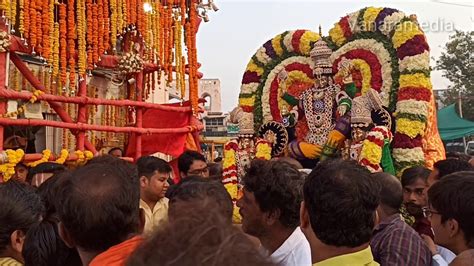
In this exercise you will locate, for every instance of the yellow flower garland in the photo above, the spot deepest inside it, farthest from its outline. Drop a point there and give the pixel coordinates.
(276, 43)
(8, 169)
(404, 32)
(45, 158)
(306, 40)
(415, 80)
(337, 34)
(264, 151)
(62, 156)
(411, 128)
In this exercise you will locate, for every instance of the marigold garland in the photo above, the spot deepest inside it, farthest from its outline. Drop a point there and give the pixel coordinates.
(13, 158)
(32, 24)
(21, 109)
(71, 44)
(46, 23)
(81, 38)
(55, 51)
(113, 23)
(39, 26)
(90, 37)
(101, 31)
(63, 155)
(95, 34)
(63, 44)
(46, 154)
(26, 18)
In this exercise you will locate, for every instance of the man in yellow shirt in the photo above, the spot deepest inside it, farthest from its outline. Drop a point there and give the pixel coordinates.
(154, 173)
(338, 213)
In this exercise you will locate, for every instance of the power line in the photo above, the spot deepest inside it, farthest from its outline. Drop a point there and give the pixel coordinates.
(452, 4)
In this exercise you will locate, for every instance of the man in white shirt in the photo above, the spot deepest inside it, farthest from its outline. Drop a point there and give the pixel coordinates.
(270, 211)
(154, 173)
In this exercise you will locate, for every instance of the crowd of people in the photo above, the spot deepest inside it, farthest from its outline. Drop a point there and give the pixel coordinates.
(112, 212)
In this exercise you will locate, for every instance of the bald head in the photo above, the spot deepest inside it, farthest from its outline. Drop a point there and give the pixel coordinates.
(391, 193)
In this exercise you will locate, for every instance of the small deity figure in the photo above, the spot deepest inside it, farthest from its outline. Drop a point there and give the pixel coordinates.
(239, 152)
(371, 135)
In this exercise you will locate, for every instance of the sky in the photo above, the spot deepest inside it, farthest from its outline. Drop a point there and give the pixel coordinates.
(227, 42)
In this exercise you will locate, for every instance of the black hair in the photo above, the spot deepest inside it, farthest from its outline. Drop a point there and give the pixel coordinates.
(458, 155)
(453, 198)
(99, 204)
(20, 209)
(199, 189)
(44, 247)
(125, 167)
(276, 186)
(48, 192)
(451, 165)
(115, 149)
(391, 192)
(196, 239)
(148, 165)
(341, 200)
(47, 167)
(186, 159)
(410, 175)
(215, 171)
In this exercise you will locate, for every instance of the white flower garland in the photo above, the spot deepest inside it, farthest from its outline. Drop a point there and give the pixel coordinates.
(416, 62)
(262, 56)
(287, 41)
(390, 22)
(249, 88)
(408, 155)
(413, 107)
(383, 56)
(265, 100)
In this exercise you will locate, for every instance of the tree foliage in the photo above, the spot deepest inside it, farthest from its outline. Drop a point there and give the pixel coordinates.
(457, 65)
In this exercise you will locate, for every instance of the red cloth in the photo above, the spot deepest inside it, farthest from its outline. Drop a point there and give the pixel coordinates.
(171, 144)
(423, 226)
(117, 255)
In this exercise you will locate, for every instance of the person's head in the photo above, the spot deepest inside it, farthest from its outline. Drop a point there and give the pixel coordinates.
(340, 202)
(215, 171)
(451, 211)
(414, 182)
(42, 172)
(446, 167)
(291, 161)
(21, 172)
(20, 209)
(391, 193)
(457, 155)
(192, 163)
(271, 197)
(116, 152)
(154, 173)
(99, 206)
(196, 239)
(44, 247)
(203, 191)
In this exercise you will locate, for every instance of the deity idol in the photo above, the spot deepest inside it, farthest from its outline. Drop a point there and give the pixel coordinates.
(322, 111)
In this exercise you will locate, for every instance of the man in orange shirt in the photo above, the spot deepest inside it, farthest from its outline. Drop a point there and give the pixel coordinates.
(99, 212)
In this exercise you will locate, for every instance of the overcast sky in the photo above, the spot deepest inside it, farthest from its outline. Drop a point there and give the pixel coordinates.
(240, 27)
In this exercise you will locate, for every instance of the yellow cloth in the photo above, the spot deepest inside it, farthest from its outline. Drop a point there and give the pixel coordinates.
(363, 257)
(9, 262)
(155, 217)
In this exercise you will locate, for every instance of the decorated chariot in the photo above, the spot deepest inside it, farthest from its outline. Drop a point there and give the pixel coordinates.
(362, 93)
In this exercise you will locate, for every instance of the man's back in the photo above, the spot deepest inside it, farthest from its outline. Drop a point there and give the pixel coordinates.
(396, 243)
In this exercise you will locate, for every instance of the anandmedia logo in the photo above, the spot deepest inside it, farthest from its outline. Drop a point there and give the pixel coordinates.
(439, 25)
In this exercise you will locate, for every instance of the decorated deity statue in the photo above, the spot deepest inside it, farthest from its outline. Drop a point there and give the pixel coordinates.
(326, 129)
(239, 152)
(371, 133)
